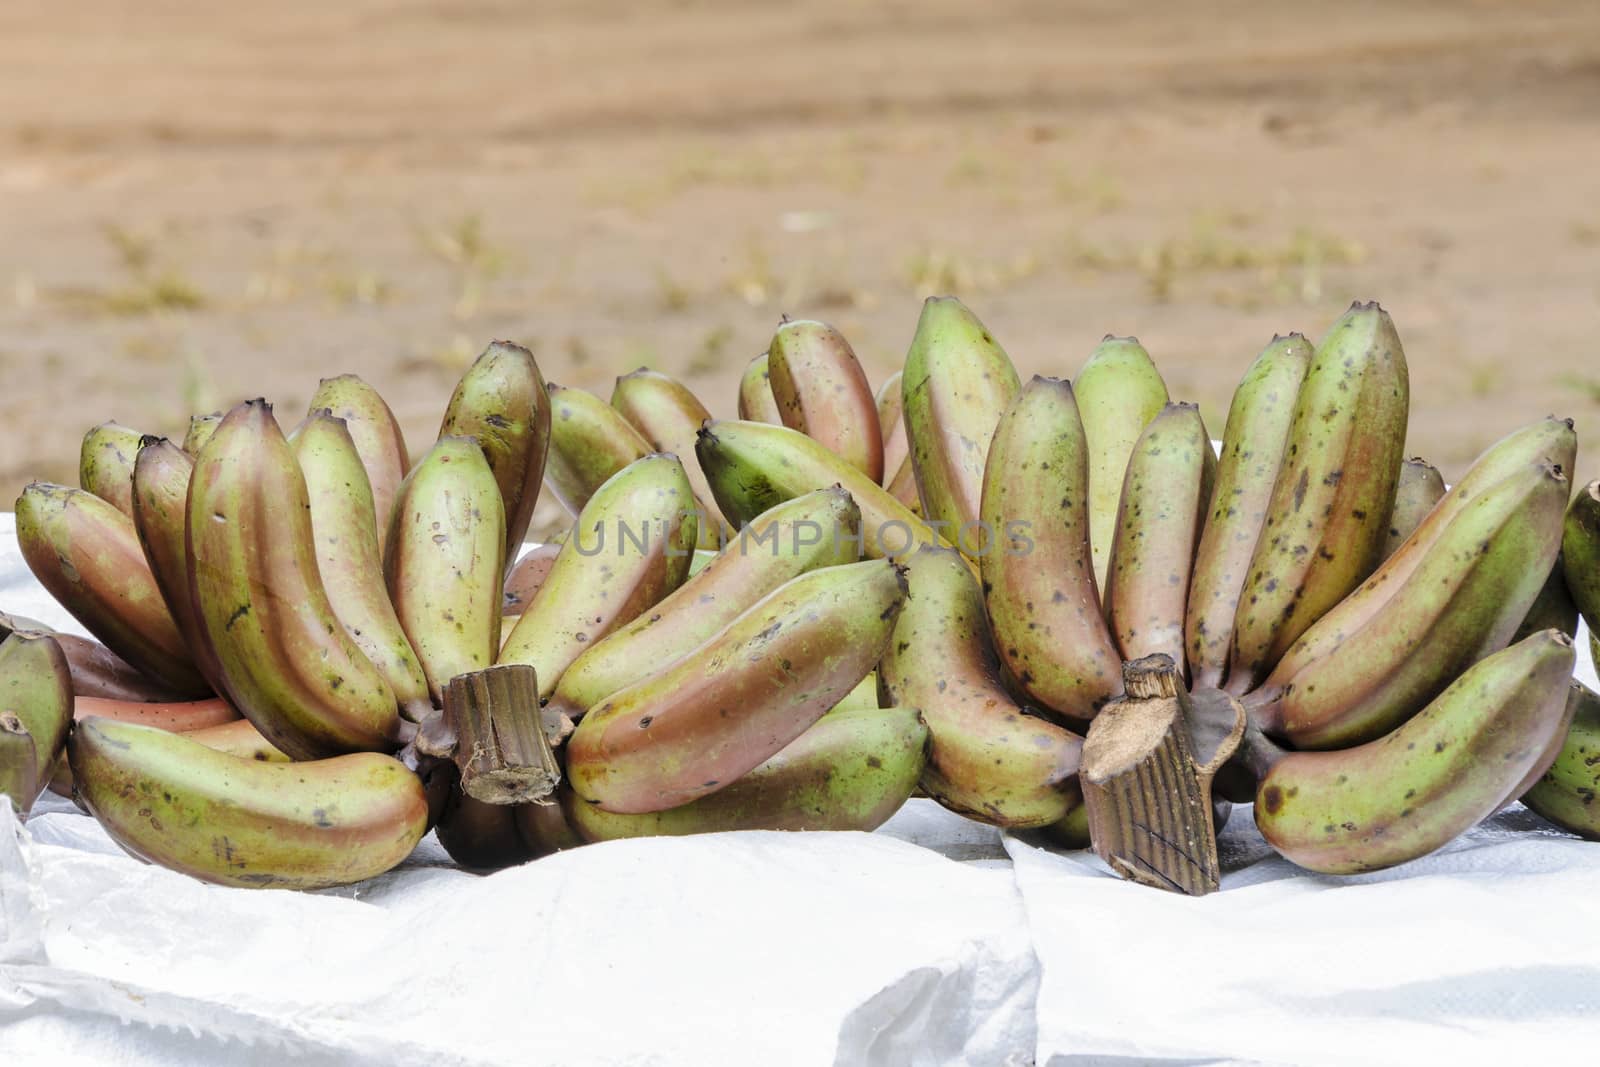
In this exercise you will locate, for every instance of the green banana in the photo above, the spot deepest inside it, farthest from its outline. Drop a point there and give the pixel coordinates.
(822, 391)
(1566, 793)
(1334, 495)
(1580, 553)
(375, 431)
(1038, 578)
(1253, 444)
(1119, 391)
(1466, 599)
(991, 760)
(1413, 790)
(756, 402)
(863, 697)
(589, 442)
(1547, 442)
(819, 529)
(501, 400)
(86, 554)
(957, 383)
(161, 476)
(349, 560)
(35, 712)
(669, 416)
(630, 547)
(851, 771)
(753, 467)
(444, 561)
(1165, 497)
(1421, 486)
(201, 427)
(105, 464)
(721, 711)
(244, 822)
(286, 662)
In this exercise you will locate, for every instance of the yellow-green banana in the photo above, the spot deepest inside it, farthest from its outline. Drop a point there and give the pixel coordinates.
(245, 822)
(756, 402)
(375, 431)
(589, 442)
(991, 760)
(956, 384)
(444, 561)
(349, 559)
(1119, 391)
(1253, 444)
(1330, 507)
(818, 529)
(822, 391)
(669, 416)
(850, 771)
(105, 464)
(1038, 578)
(1413, 790)
(630, 547)
(1568, 794)
(35, 712)
(501, 401)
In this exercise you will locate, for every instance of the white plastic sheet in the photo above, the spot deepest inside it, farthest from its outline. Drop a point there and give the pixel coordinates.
(933, 941)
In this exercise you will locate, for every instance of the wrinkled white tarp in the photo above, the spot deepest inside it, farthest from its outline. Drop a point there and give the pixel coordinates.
(933, 941)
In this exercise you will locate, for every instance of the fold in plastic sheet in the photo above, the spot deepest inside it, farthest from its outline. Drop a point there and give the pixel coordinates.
(933, 941)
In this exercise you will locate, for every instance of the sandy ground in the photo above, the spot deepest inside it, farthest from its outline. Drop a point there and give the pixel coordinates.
(200, 203)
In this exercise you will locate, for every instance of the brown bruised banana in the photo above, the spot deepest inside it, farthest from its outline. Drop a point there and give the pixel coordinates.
(756, 402)
(991, 760)
(349, 559)
(105, 464)
(589, 442)
(244, 822)
(286, 662)
(1466, 599)
(1547, 442)
(201, 427)
(1253, 444)
(630, 547)
(753, 467)
(1421, 486)
(1038, 576)
(822, 391)
(501, 401)
(1331, 503)
(1411, 791)
(35, 712)
(1567, 792)
(375, 431)
(87, 555)
(1119, 391)
(820, 529)
(851, 771)
(96, 670)
(718, 713)
(957, 383)
(669, 416)
(477, 835)
(544, 827)
(1165, 497)
(444, 561)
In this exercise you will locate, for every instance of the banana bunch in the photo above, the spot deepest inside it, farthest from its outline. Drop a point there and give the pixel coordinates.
(798, 618)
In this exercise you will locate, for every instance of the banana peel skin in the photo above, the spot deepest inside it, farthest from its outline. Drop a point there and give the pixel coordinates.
(1568, 792)
(35, 714)
(244, 822)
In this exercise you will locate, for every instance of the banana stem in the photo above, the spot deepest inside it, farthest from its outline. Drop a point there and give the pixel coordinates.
(501, 746)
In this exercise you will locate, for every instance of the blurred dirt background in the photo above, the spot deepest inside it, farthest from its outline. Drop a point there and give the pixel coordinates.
(200, 203)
